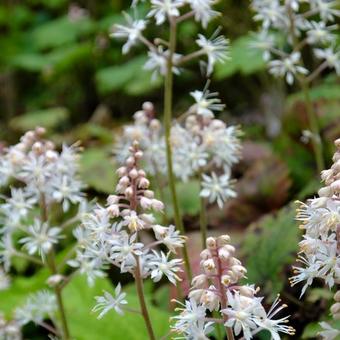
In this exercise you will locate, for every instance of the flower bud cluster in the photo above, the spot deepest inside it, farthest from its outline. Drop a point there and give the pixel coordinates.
(202, 144)
(218, 288)
(320, 220)
(147, 130)
(302, 23)
(114, 233)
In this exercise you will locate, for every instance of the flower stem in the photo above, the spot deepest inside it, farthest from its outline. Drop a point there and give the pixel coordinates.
(203, 221)
(314, 126)
(53, 268)
(168, 95)
(140, 291)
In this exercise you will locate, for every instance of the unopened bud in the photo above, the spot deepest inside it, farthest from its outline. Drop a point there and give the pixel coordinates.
(211, 243)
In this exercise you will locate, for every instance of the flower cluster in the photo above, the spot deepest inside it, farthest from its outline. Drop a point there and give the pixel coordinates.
(218, 289)
(304, 23)
(44, 178)
(214, 48)
(114, 234)
(320, 220)
(203, 145)
(38, 307)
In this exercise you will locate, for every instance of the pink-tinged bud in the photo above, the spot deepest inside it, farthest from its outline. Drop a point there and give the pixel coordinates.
(196, 294)
(337, 143)
(337, 296)
(113, 210)
(247, 291)
(30, 135)
(223, 253)
(135, 144)
(130, 161)
(124, 181)
(205, 254)
(145, 203)
(148, 106)
(121, 171)
(223, 240)
(49, 145)
(199, 281)
(139, 154)
(336, 166)
(210, 299)
(335, 309)
(149, 194)
(230, 248)
(112, 199)
(326, 175)
(55, 280)
(40, 131)
(141, 173)
(325, 192)
(233, 277)
(133, 173)
(157, 205)
(209, 266)
(319, 202)
(148, 218)
(51, 156)
(37, 147)
(211, 243)
(226, 280)
(239, 271)
(336, 185)
(155, 125)
(233, 261)
(20, 147)
(128, 192)
(143, 183)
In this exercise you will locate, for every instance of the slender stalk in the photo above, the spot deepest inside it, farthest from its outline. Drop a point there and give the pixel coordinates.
(28, 257)
(168, 89)
(314, 126)
(140, 291)
(203, 221)
(304, 84)
(224, 302)
(53, 268)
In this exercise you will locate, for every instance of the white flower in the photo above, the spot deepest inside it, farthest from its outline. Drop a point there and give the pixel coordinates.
(67, 190)
(170, 237)
(217, 189)
(131, 32)
(270, 13)
(189, 315)
(331, 56)
(203, 11)
(319, 33)
(288, 67)
(7, 250)
(107, 302)
(265, 42)
(133, 221)
(4, 280)
(124, 249)
(37, 307)
(157, 62)
(161, 9)
(216, 49)
(206, 103)
(241, 313)
(326, 9)
(42, 238)
(160, 265)
(328, 332)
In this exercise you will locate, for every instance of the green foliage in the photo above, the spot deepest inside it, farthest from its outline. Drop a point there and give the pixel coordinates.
(79, 300)
(130, 77)
(97, 170)
(244, 59)
(49, 118)
(269, 246)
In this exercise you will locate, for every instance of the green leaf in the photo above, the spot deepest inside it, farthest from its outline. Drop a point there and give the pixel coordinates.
(270, 248)
(59, 32)
(30, 61)
(244, 59)
(131, 77)
(97, 170)
(49, 118)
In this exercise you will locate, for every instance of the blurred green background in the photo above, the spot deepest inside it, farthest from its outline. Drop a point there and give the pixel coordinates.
(60, 69)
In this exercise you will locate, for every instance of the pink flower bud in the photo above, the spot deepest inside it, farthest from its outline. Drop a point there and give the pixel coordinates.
(133, 173)
(199, 281)
(211, 243)
(157, 205)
